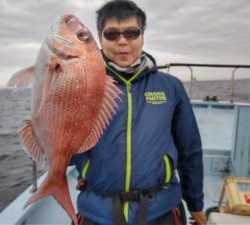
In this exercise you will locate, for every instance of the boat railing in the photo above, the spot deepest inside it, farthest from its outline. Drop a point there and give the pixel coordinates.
(234, 67)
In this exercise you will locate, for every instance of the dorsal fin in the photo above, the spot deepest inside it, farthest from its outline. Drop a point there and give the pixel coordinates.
(108, 106)
(29, 141)
(21, 78)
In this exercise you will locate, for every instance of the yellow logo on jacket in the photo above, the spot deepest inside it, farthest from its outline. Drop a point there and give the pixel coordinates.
(155, 97)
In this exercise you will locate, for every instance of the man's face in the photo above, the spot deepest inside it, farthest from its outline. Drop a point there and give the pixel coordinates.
(122, 49)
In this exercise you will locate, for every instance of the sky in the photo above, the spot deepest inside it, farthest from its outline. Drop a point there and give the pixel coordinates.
(191, 31)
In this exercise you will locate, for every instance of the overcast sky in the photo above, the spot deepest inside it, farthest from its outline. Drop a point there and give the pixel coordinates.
(197, 31)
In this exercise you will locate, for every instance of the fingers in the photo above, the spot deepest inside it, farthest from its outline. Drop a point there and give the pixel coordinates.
(198, 218)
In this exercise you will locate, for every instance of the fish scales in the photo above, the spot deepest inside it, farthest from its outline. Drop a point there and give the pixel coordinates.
(72, 102)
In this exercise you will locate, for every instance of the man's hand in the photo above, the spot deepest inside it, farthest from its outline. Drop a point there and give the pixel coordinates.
(199, 218)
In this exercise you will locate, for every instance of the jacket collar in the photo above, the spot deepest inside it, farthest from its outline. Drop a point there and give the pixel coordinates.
(145, 65)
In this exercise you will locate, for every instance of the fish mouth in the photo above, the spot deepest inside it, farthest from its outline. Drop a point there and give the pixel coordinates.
(55, 39)
(73, 23)
(57, 52)
(68, 17)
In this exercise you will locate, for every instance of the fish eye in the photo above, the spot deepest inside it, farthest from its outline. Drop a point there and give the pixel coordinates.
(83, 35)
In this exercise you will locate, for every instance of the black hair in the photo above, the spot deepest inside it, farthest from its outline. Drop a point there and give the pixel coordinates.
(120, 10)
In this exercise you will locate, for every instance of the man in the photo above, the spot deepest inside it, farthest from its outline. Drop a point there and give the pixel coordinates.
(130, 176)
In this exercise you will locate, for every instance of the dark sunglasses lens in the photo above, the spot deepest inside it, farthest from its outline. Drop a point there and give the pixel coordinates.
(111, 35)
(132, 34)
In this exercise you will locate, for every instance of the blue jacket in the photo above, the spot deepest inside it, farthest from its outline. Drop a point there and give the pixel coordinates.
(152, 134)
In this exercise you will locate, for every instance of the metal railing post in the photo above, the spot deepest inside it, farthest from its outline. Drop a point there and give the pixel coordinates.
(233, 83)
(34, 176)
(191, 81)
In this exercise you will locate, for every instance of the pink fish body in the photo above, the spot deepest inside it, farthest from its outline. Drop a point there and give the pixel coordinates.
(72, 102)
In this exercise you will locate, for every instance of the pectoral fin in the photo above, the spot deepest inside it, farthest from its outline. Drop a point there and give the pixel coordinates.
(22, 78)
(32, 147)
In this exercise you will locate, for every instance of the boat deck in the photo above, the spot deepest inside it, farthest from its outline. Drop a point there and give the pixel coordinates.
(216, 122)
(219, 124)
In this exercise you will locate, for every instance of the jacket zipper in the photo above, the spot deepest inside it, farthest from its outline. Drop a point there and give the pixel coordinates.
(129, 134)
(129, 149)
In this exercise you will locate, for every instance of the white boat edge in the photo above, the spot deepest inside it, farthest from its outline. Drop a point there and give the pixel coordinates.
(15, 214)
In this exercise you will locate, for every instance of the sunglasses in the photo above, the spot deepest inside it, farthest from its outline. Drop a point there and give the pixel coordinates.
(129, 34)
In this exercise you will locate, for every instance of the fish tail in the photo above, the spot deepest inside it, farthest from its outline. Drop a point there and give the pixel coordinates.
(43, 191)
(59, 190)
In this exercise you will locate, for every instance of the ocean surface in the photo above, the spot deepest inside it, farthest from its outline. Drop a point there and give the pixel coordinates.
(15, 164)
